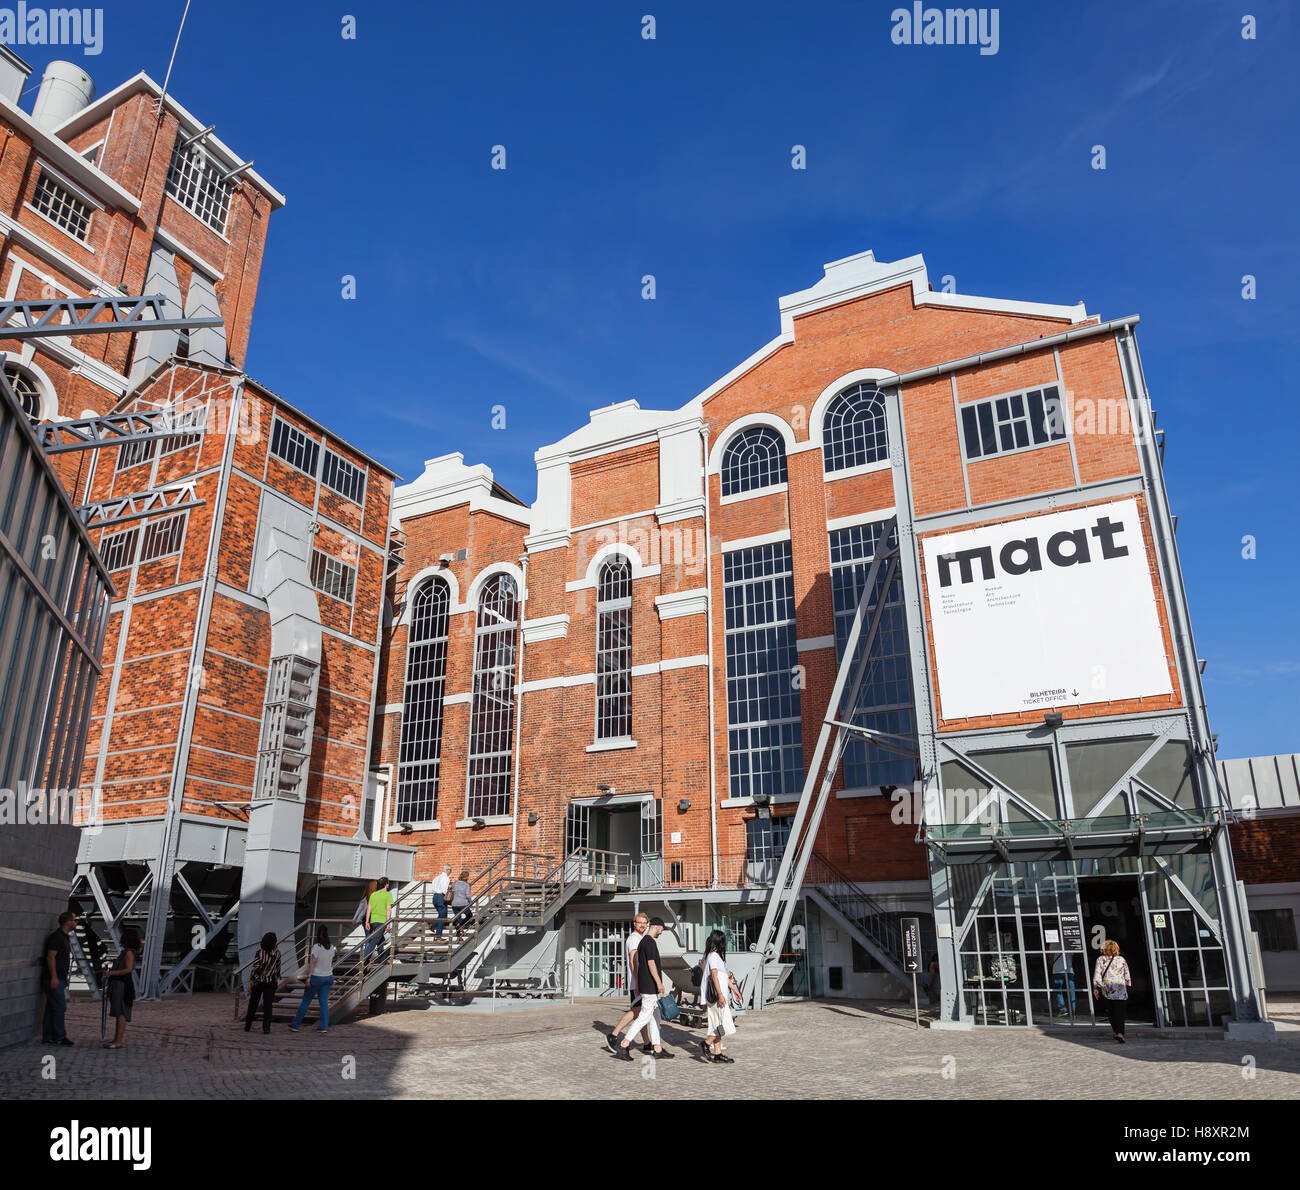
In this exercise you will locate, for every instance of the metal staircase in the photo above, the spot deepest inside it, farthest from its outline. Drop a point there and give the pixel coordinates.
(517, 892)
(876, 927)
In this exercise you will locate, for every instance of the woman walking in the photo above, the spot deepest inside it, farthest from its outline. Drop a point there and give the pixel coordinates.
(320, 979)
(263, 979)
(717, 987)
(462, 915)
(1110, 983)
(121, 987)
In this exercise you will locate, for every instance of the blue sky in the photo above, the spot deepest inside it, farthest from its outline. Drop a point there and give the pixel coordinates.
(521, 288)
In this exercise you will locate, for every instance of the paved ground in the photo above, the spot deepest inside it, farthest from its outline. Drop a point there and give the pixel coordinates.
(188, 1047)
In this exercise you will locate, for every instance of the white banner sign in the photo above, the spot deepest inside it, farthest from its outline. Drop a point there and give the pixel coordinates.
(1048, 611)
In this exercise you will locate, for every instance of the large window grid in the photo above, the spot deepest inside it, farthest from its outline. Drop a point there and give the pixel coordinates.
(492, 701)
(420, 746)
(333, 576)
(196, 182)
(886, 700)
(343, 477)
(63, 208)
(764, 739)
(614, 651)
(1016, 421)
(853, 430)
(754, 459)
(294, 447)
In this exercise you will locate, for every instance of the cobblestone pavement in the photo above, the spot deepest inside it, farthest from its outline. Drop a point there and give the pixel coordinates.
(189, 1047)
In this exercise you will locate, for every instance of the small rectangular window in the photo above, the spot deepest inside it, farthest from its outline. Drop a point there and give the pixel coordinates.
(333, 576)
(117, 550)
(835, 978)
(294, 447)
(135, 453)
(163, 537)
(63, 208)
(1016, 421)
(1275, 927)
(341, 476)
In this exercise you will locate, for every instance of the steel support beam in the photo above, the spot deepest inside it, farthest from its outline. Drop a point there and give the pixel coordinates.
(118, 429)
(172, 498)
(82, 316)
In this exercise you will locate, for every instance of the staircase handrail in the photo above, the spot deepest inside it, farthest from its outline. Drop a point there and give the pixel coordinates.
(822, 872)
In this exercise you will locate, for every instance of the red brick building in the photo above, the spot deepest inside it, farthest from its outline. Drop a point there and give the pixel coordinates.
(642, 660)
(203, 776)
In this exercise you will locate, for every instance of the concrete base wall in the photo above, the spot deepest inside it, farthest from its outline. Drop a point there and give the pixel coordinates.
(37, 865)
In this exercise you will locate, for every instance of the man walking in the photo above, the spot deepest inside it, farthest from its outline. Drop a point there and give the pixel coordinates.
(639, 923)
(56, 961)
(650, 986)
(381, 901)
(439, 886)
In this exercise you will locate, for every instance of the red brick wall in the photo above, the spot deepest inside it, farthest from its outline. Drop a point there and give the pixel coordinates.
(1267, 850)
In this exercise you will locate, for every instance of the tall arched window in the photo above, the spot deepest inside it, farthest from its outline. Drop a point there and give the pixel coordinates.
(614, 650)
(753, 459)
(492, 706)
(853, 430)
(420, 748)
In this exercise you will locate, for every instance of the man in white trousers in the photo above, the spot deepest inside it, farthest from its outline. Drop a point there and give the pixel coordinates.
(650, 986)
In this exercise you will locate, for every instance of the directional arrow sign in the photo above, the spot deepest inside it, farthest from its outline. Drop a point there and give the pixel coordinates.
(911, 944)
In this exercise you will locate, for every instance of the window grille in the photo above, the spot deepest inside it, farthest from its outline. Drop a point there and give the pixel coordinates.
(853, 431)
(754, 459)
(294, 447)
(24, 388)
(420, 747)
(492, 701)
(117, 550)
(764, 738)
(163, 537)
(333, 576)
(614, 651)
(341, 476)
(182, 419)
(1017, 421)
(135, 453)
(885, 702)
(196, 182)
(63, 208)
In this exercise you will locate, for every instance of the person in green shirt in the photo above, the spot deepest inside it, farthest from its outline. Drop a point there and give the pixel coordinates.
(381, 901)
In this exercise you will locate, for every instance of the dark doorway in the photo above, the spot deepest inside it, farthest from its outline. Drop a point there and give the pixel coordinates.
(1112, 908)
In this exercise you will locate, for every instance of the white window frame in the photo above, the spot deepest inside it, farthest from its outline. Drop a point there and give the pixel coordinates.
(1012, 420)
(333, 568)
(200, 173)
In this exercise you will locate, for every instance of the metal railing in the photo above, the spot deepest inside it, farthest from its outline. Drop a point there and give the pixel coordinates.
(876, 920)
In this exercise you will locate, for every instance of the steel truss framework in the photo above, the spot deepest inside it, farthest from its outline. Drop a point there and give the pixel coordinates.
(82, 316)
(175, 497)
(119, 429)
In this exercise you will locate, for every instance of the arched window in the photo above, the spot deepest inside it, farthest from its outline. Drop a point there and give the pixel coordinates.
(614, 650)
(754, 459)
(25, 389)
(420, 748)
(853, 430)
(492, 706)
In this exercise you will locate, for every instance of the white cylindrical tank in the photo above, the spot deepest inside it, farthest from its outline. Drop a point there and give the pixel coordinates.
(65, 90)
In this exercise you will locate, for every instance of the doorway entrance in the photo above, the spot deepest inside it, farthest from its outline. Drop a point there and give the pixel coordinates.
(628, 825)
(1112, 909)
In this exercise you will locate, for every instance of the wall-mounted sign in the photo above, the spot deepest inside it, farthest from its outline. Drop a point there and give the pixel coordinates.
(1159, 920)
(1072, 932)
(1046, 611)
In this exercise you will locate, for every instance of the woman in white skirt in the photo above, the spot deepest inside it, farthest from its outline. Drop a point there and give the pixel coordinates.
(717, 987)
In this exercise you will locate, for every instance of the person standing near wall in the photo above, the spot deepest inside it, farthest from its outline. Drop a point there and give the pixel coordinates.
(120, 987)
(639, 923)
(56, 961)
(1110, 982)
(461, 913)
(717, 987)
(263, 980)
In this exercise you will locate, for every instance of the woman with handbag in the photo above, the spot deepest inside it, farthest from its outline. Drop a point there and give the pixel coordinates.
(717, 988)
(650, 987)
(1110, 984)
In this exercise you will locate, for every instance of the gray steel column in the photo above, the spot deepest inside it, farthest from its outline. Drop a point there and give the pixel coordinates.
(927, 791)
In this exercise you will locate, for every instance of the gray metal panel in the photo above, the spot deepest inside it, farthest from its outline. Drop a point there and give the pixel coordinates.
(1262, 782)
(152, 347)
